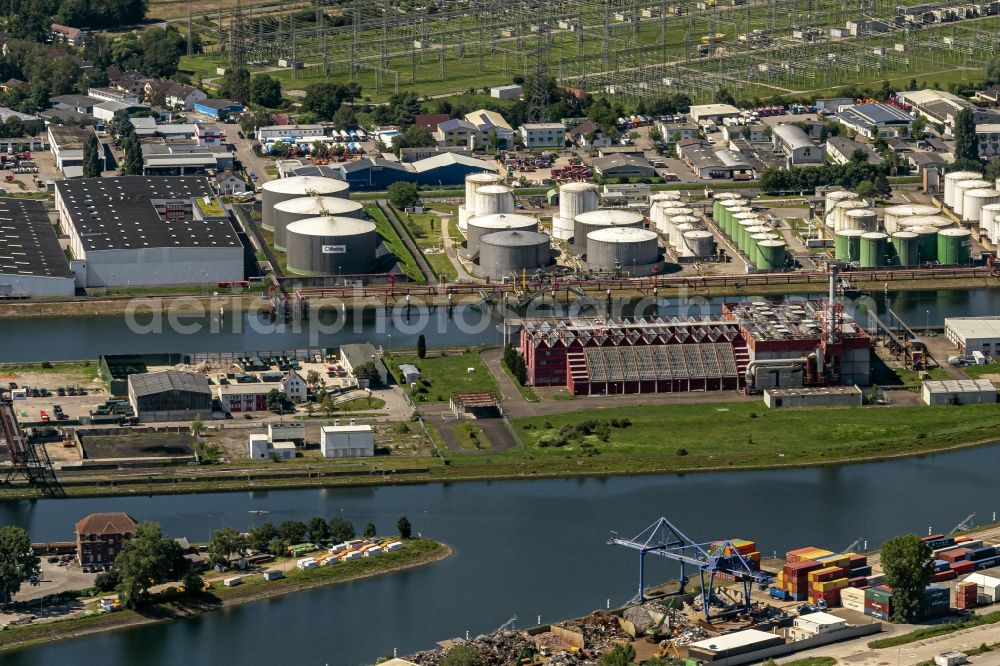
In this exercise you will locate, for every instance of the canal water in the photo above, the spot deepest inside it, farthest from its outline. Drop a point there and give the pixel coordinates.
(531, 549)
(70, 338)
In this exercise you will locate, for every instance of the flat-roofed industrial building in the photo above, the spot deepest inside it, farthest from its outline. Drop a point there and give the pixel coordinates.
(32, 262)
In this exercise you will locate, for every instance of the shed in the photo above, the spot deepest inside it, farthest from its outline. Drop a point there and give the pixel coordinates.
(475, 403)
(814, 624)
(988, 586)
(347, 441)
(410, 373)
(170, 395)
(258, 445)
(959, 391)
(734, 644)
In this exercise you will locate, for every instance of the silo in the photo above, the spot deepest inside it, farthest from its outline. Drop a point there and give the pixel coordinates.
(700, 243)
(601, 219)
(973, 202)
(847, 245)
(574, 199)
(951, 179)
(292, 210)
(771, 255)
(511, 252)
(747, 237)
(926, 243)
(753, 245)
(843, 207)
(472, 182)
(865, 219)
(483, 225)
(991, 221)
(274, 192)
(906, 248)
(622, 247)
(493, 200)
(331, 246)
(961, 187)
(893, 214)
(689, 222)
(953, 246)
(873, 249)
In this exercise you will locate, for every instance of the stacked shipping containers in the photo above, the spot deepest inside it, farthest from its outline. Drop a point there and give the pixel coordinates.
(966, 596)
(878, 602)
(820, 575)
(747, 550)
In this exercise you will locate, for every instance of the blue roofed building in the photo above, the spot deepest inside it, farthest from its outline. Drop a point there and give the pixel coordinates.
(875, 120)
(448, 169)
(375, 173)
(217, 108)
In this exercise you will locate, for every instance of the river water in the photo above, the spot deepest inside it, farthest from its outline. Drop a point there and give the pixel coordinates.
(524, 548)
(68, 338)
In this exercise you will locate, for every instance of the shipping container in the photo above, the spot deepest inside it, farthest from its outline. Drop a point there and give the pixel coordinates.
(865, 570)
(955, 554)
(963, 567)
(982, 553)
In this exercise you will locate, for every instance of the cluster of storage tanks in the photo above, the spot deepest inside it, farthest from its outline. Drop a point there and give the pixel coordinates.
(617, 240)
(909, 234)
(322, 231)
(975, 201)
(751, 233)
(683, 230)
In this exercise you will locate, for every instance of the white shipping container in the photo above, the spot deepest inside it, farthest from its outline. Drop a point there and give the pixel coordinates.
(306, 563)
(233, 582)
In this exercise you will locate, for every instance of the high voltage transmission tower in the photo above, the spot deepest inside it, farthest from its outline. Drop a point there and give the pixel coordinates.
(238, 78)
(538, 111)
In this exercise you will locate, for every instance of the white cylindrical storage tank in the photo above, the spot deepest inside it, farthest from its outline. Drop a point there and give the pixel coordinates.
(893, 214)
(674, 224)
(830, 201)
(577, 198)
(961, 187)
(991, 221)
(973, 202)
(331, 246)
(951, 179)
(274, 192)
(493, 199)
(622, 247)
(700, 244)
(667, 214)
(859, 218)
(841, 210)
(292, 210)
(936, 221)
(664, 196)
(512, 252)
(472, 182)
(483, 225)
(602, 219)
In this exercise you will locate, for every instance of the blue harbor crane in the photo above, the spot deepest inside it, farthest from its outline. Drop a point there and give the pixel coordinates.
(720, 557)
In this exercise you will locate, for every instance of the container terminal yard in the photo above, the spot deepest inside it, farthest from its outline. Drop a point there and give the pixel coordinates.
(742, 608)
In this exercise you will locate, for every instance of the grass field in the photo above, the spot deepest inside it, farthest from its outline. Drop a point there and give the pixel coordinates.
(936, 630)
(426, 231)
(470, 437)
(977, 371)
(394, 243)
(446, 374)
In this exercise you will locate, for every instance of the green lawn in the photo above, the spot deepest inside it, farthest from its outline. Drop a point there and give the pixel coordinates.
(446, 374)
(87, 370)
(977, 371)
(358, 404)
(426, 231)
(471, 437)
(695, 436)
(394, 243)
(911, 378)
(936, 630)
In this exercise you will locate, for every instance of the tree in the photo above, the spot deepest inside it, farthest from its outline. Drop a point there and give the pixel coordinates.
(415, 136)
(121, 125)
(341, 529)
(233, 84)
(403, 195)
(369, 531)
(318, 529)
(620, 655)
(91, 161)
(906, 561)
(461, 655)
(865, 189)
(859, 156)
(421, 346)
(917, 127)
(18, 564)
(882, 188)
(966, 140)
(408, 108)
(327, 406)
(265, 91)
(344, 117)
(193, 582)
(259, 537)
(197, 426)
(132, 165)
(293, 531)
(149, 558)
(312, 377)
(224, 544)
(368, 371)
(324, 99)
(275, 400)
(161, 51)
(723, 96)
(404, 528)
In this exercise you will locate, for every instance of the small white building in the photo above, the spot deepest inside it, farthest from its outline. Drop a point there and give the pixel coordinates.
(814, 624)
(796, 145)
(543, 135)
(959, 391)
(409, 372)
(506, 92)
(715, 113)
(988, 587)
(971, 334)
(347, 441)
(229, 183)
(286, 432)
(259, 445)
(289, 132)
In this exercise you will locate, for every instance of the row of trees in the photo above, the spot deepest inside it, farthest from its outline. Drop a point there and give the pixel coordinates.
(850, 175)
(30, 19)
(514, 360)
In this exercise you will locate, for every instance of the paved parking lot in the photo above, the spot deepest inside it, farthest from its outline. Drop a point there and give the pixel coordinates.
(56, 579)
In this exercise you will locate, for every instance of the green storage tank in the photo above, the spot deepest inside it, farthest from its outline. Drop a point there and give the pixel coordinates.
(926, 243)
(847, 244)
(953, 247)
(753, 245)
(906, 248)
(731, 212)
(772, 255)
(745, 242)
(873, 249)
(740, 222)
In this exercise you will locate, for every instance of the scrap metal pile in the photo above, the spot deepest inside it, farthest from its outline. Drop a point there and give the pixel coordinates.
(496, 649)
